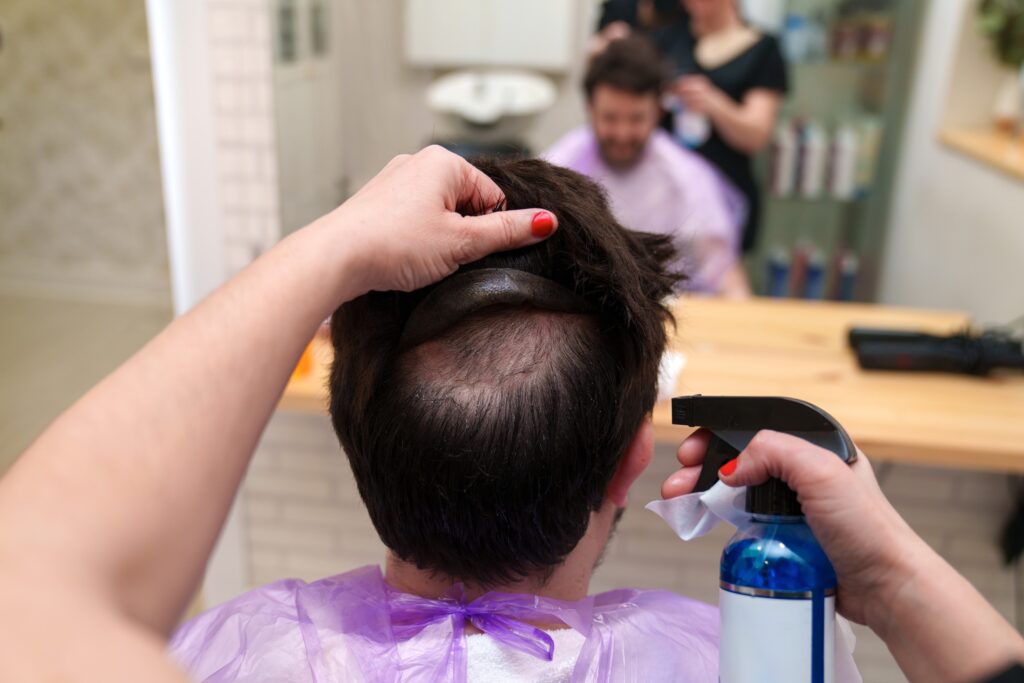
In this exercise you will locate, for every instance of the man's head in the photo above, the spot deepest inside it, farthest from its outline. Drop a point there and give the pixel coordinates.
(483, 430)
(623, 85)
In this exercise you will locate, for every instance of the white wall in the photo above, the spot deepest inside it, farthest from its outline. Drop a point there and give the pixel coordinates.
(385, 111)
(213, 81)
(956, 236)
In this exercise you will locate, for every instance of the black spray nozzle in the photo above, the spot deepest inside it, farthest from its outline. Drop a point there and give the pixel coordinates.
(734, 420)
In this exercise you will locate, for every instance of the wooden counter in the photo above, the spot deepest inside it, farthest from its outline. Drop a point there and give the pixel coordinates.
(998, 150)
(798, 348)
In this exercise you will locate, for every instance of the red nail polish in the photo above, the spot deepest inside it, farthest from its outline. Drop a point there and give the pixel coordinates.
(728, 468)
(542, 225)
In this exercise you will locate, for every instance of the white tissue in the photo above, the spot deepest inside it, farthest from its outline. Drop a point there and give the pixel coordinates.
(691, 516)
(672, 363)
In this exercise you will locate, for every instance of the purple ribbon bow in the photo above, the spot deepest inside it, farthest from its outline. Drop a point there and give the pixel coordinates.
(501, 616)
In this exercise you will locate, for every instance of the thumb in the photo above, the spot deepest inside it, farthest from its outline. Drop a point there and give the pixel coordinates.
(504, 230)
(801, 464)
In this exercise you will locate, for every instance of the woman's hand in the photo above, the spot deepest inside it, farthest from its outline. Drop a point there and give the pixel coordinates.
(745, 126)
(937, 626)
(417, 221)
(698, 94)
(599, 42)
(869, 544)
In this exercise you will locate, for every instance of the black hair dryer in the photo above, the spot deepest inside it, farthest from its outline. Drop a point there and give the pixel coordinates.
(734, 420)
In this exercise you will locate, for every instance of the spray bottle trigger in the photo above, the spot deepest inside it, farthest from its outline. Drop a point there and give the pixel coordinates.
(719, 452)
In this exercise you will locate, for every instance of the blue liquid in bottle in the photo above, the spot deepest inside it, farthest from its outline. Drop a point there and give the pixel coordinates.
(777, 603)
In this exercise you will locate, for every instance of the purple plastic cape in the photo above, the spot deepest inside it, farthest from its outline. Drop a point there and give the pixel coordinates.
(354, 627)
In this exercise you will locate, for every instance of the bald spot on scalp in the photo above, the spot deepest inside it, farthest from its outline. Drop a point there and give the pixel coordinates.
(495, 353)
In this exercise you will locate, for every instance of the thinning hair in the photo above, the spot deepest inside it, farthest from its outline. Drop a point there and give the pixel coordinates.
(481, 451)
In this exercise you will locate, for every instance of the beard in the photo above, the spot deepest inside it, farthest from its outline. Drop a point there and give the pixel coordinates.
(611, 534)
(620, 156)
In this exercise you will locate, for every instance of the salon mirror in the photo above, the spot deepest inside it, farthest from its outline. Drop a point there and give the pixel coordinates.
(356, 82)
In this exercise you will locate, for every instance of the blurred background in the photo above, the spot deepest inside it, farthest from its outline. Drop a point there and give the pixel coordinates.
(148, 150)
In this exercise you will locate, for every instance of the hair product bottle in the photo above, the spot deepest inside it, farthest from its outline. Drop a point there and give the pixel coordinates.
(777, 599)
(777, 276)
(691, 129)
(813, 156)
(783, 164)
(777, 588)
(846, 275)
(814, 275)
(843, 159)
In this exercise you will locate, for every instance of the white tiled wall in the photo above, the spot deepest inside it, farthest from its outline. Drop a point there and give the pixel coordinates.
(384, 101)
(305, 519)
(303, 513)
(242, 90)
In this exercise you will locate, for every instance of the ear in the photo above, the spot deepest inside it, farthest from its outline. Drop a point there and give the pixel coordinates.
(634, 461)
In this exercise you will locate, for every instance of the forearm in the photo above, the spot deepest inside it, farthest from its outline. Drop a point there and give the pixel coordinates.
(108, 519)
(150, 459)
(741, 129)
(940, 629)
(61, 633)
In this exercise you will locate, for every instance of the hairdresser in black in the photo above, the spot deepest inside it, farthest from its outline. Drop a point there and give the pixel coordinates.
(1014, 675)
(724, 69)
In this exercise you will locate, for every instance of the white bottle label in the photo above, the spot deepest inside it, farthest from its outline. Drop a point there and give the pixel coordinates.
(773, 639)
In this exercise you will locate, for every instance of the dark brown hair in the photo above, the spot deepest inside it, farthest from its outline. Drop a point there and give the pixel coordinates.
(632, 64)
(481, 452)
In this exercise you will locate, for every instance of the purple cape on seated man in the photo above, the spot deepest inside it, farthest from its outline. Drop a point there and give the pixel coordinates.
(494, 423)
(653, 183)
(354, 627)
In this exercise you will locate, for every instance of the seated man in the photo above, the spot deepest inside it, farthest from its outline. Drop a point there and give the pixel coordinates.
(494, 423)
(652, 182)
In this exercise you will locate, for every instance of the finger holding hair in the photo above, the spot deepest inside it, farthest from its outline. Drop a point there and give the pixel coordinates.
(422, 217)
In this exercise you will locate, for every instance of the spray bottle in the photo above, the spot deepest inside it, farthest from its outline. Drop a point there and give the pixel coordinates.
(777, 587)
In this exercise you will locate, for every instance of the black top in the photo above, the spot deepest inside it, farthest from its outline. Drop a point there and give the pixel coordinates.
(1013, 675)
(617, 10)
(760, 67)
(629, 10)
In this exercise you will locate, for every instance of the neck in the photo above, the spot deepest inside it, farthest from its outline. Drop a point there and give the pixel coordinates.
(568, 581)
(715, 22)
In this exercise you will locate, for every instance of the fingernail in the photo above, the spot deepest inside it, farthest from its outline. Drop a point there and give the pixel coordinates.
(728, 468)
(676, 478)
(542, 225)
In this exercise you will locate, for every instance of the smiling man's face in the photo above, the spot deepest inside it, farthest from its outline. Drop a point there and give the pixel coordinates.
(623, 122)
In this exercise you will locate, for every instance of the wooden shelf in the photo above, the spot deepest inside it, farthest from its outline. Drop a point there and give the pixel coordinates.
(1001, 151)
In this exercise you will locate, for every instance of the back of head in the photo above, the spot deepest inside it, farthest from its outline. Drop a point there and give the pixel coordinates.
(481, 450)
(631, 64)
